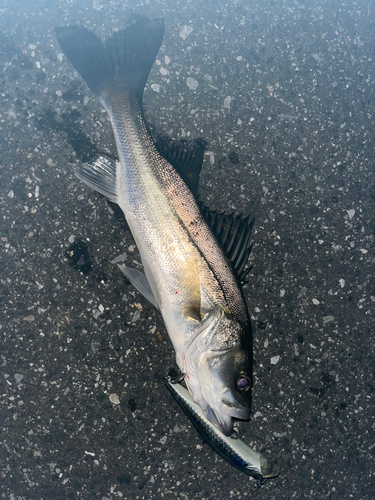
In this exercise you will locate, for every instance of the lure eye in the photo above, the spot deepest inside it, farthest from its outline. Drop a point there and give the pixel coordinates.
(243, 382)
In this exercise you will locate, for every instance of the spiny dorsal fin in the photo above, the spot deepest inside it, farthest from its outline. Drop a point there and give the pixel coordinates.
(186, 157)
(233, 233)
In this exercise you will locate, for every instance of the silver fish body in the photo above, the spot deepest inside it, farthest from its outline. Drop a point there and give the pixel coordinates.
(234, 451)
(188, 277)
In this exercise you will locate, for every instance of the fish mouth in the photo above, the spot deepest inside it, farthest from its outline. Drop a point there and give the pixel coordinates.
(237, 411)
(222, 422)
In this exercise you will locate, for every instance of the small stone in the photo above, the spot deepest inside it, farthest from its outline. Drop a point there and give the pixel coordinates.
(136, 316)
(328, 319)
(18, 377)
(275, 360)
(192, 83)
(96, 313)
(351, 213)
(96, 5)
(155, 87)
(164, 71)
(11, 194)
(119, 258)
(114, 399)
(211, 156)
(342, 282)
(317, 58)
(227, 102)
(185, 31)
(315, 302)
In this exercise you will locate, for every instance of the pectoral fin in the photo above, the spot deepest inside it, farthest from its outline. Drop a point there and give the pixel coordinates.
(139, 281)
(100, 174)
(191, 313)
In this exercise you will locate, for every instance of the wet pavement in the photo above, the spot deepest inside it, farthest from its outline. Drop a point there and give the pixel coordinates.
(284, 95)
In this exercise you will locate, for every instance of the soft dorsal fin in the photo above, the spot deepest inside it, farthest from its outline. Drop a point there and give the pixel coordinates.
(186, 157)
(233, 233)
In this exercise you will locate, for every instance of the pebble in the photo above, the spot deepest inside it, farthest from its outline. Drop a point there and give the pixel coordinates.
(191, 83)
(351, 213)
(185, 31)
(155, 87)
(114, 399)
(30, 318)
(136, 316)
(227, 102)
(275, 360)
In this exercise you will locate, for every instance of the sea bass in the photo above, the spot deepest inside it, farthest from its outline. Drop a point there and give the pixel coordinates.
(193, 261)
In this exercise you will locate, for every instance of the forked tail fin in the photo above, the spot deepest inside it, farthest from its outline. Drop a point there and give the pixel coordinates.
(125, 58)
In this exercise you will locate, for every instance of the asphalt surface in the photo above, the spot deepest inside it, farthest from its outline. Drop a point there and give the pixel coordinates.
(283, 92)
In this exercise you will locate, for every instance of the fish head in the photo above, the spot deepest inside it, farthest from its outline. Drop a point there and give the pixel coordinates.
(219, 371)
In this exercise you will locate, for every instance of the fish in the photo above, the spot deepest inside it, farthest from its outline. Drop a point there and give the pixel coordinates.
(233, 450)
(194, 259)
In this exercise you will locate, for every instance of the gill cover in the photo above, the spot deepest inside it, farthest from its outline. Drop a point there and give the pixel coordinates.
(214, 363)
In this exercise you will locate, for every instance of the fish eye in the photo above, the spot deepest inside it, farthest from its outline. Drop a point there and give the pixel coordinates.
(243, 382)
